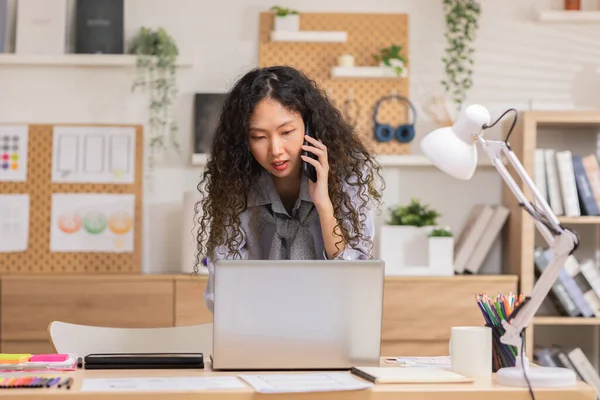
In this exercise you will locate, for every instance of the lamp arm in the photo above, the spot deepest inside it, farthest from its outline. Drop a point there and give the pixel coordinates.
(562, 241)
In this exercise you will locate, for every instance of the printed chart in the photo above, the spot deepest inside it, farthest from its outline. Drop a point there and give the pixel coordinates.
(13, 152)
(14, 222)
(92, 222)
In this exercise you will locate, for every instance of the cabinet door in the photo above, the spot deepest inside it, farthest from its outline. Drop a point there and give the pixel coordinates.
(28, 305)
(418, 313)
(190, 308)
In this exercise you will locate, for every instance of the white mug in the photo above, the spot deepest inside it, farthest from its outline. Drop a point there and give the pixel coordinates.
(471, 351)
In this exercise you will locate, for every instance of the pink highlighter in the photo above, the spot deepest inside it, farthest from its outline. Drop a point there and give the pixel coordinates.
(49, 358)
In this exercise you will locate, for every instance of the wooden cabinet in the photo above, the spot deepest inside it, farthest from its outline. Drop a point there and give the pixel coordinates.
(417, 312)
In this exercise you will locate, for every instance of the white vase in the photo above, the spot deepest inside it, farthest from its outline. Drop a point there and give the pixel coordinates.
(403, 247)
(441, 256)
(289, 23)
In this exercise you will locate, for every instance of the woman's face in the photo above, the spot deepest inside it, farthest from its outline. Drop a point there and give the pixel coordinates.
(276, 136)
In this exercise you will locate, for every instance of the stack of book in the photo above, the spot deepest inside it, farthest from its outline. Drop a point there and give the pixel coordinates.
(570, 183)
(576, 292)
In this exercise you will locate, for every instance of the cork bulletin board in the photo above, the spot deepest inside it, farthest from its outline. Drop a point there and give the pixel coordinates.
(367, 34)
(38, 258)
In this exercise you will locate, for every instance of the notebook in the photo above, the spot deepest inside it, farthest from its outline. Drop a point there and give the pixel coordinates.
(409, 375)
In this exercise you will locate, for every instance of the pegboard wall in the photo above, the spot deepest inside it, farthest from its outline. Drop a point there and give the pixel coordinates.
(367, 35)
(39, 186)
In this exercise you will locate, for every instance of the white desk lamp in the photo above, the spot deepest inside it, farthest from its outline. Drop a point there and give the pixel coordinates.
(453, 150)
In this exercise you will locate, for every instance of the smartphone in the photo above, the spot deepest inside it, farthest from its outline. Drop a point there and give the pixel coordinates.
(308, 169)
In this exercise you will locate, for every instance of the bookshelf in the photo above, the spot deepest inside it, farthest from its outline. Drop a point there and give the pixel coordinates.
(578, 132)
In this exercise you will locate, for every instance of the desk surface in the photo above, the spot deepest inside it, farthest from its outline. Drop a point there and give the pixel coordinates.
(480, 389)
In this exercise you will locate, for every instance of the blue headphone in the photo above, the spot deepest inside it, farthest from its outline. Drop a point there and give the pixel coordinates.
(404, 133)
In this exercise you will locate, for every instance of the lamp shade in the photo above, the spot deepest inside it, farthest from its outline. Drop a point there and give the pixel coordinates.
(453, 149)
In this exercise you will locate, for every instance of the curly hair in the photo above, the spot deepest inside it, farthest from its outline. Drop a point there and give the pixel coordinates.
(231, 169)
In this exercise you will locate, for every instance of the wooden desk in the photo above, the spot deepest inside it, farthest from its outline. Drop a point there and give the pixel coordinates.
(481, 389)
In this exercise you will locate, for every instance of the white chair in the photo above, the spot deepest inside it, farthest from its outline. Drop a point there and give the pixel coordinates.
(84, 339)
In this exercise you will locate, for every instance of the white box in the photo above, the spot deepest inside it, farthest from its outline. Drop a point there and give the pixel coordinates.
(41, 26)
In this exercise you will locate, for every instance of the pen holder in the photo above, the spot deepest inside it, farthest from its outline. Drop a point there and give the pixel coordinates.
(503, 355)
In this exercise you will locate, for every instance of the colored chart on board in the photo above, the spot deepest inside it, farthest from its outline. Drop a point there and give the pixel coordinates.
(13, 153)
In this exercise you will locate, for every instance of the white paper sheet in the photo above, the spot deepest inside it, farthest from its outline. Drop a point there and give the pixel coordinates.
(93, 154)
(160, 384)
(13, 152)
(305, 382)
(14, 222)
(92, 222)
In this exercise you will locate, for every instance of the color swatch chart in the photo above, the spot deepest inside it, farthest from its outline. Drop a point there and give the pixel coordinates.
(13, 153)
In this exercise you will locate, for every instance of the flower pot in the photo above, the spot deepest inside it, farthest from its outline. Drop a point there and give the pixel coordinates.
(441, 256)
(289, 23)
(573, 5)
(403, 247)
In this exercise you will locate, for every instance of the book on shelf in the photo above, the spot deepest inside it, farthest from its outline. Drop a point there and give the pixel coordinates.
(570, 183)
(576, 292)
(480, 231)
(572, 358)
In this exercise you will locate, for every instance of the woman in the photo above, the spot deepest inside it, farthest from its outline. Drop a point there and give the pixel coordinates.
(258, 203)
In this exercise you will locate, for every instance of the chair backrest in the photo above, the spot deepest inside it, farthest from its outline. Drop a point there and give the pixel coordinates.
(85, 339)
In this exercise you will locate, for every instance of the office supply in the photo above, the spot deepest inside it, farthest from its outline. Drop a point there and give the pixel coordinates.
(49, 358)
(471, 351)
(304, 382)
(427, 362)
(30, 382)
(47, 362)
(14, 358)
(409, 375)
(495, 311)
(161, 384)
(453, 150)
(297, 314)
(38, 257)
(144, 361)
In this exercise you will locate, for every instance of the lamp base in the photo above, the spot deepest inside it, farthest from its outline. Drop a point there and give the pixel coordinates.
(538, 377)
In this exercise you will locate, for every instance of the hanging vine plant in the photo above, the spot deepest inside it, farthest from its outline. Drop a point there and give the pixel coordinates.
(157, 53)
(462, 22)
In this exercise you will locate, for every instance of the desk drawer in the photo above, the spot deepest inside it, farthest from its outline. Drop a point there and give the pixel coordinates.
(424, 309)
(30, 304)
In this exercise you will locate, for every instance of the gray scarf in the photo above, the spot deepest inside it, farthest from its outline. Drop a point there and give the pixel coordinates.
(293, 239)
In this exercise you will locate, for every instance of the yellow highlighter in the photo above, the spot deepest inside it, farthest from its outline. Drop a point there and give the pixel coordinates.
(14, 358)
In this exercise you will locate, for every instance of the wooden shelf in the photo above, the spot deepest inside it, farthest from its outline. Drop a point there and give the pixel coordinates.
(363, 72)
(77, 60)
(309, 36)
(385, 160)
(580, 220)
(565, 321)
(569, 16)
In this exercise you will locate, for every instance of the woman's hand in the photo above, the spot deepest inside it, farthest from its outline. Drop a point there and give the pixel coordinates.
(319, 190)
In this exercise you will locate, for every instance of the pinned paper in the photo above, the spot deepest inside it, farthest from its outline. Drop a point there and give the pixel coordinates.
(93, 154)
(14, 222)
(13, 152)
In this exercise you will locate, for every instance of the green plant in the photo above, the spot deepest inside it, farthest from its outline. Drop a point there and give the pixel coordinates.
(415, 214)
(461, 25)
(282, 12)
(157, 53)
(441, 232)
(391, 57)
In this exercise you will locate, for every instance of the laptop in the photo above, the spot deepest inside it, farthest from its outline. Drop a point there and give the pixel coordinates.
(297, 314)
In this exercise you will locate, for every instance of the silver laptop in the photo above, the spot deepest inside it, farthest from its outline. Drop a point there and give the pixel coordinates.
(297, 315)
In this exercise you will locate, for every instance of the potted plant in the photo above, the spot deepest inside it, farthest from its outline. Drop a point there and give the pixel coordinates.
(390, 57)
(157, 53)
(441, 251)
(404, 237)
(286, 20)
(462, 18)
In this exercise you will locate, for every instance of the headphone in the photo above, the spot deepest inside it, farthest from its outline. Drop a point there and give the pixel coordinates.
(404, 133)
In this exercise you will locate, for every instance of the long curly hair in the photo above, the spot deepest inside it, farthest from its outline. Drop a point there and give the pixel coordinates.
(231, 169)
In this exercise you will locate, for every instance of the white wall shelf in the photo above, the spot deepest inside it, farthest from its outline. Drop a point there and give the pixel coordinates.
(385, 160)
(363, 72)
(569, 16)
(309, 36)
(77, 60)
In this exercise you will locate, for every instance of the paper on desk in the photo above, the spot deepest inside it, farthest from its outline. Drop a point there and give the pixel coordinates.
(160, 384)
(93, 154)
(14, 222)
(442, 362)
(307, 382)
